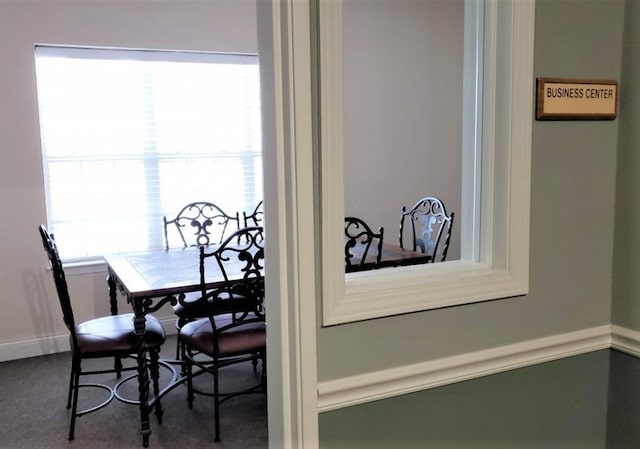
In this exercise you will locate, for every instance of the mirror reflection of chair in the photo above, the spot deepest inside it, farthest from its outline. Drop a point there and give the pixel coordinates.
(197, 224)
(200, 223)
(358, 251)
(255, 217)
(234, 330)
(111, 336)
(430, 228)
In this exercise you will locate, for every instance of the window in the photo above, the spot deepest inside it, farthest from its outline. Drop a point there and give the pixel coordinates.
(129, 136)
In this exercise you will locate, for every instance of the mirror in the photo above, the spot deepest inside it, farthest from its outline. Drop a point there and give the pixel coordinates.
(402, 74)
(365, 123)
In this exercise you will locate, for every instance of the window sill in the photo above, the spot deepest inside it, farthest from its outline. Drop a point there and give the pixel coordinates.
(79, 268)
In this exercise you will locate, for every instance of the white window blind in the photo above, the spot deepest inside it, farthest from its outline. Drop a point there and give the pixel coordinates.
(129, 136)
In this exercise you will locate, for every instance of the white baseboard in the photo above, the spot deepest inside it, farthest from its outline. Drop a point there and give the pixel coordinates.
(34, 347)
(349, 391)
(625, 340)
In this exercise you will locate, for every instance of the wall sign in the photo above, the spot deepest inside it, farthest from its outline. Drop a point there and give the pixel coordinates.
(573, 99)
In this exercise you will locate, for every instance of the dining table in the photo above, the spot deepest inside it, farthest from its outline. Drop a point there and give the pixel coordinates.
(149, 280)
(390, 256)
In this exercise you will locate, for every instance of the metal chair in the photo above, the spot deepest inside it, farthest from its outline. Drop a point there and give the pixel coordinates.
(197, 224)
(111, 336)
(200, 224)
(430, 228)
(234, 330)
(358, 241)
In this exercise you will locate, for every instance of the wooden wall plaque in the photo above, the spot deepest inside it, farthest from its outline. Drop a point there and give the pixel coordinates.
(575, 99)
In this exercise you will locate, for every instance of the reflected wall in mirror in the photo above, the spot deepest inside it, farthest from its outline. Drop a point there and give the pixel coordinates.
(402, 73)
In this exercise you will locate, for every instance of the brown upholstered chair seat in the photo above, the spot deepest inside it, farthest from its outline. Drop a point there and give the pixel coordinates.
(192, 308)
(239, 339)
(115, 333)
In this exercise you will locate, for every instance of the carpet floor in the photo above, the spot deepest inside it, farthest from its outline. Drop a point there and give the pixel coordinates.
(33, 413)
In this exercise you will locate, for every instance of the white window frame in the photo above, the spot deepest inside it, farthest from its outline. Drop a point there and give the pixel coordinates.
(495, 243)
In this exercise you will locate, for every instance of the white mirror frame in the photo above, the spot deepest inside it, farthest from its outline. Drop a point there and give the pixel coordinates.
(495, 241)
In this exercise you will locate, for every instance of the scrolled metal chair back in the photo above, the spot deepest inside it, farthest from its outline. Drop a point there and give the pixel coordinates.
(358, 232)
(430, 228)
(254, 218)
(240, 259)
(201, 224)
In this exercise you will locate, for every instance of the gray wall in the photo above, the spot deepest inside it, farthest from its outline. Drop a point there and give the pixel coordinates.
(572, 222)
(561, 404)
(548, 406)
(623, 424)
(626, 281)
(623, 420)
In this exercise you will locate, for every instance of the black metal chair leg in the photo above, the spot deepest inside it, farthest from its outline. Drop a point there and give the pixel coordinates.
(180, 348)
(155, 377)
(74, 408)
(183, 358)
(264, 371)
(71, 376)
(117, 365)
(216, 404)
(179, 345)
(188, 367)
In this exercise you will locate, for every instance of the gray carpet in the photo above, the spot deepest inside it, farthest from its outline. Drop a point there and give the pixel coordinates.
(33, 413)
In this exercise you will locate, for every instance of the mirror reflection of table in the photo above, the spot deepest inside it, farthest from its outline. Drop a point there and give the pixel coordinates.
(392, 256)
